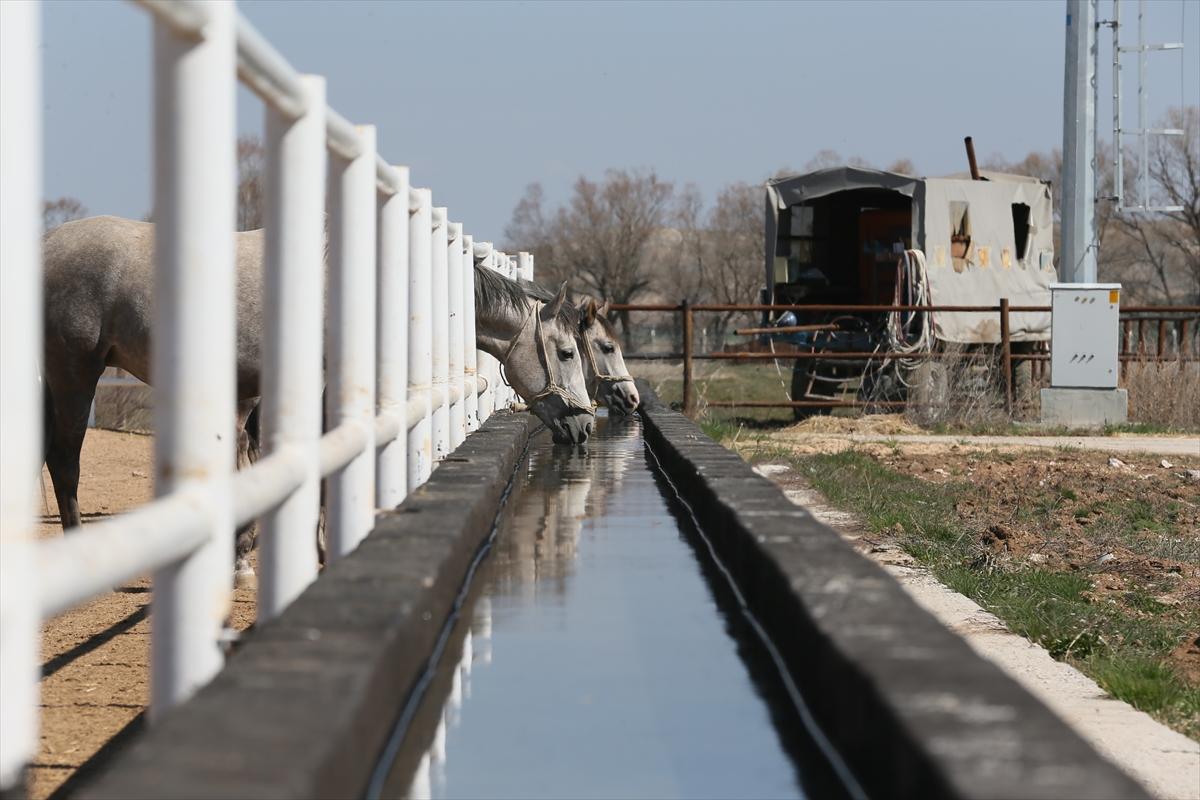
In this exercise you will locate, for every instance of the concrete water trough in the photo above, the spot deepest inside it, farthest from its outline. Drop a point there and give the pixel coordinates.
(310, 702)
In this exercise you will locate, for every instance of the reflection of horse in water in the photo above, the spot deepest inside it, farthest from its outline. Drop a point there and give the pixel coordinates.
(537, 547)
(563, 487)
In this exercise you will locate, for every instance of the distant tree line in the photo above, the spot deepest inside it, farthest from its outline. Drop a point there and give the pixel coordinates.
(633, 237)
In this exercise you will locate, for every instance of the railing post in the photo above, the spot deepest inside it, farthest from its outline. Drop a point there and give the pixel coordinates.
(391, 311)
(471, 367)
(292, 346)
(193, 358)
(21, 386)
(420, 333)
(687, 357)
(441, 332)
(525, 266)
(1006, 354)
(457, 330)
(1162, 337)
(350, 395)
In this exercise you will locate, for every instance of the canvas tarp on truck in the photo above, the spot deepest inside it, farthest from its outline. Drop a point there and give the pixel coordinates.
(983, 240)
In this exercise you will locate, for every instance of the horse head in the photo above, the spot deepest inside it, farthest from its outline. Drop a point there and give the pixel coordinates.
(544, 366)
(608, 381)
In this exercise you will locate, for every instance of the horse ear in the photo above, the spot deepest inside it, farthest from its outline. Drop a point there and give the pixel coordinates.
(555, 305)
(603, 310)
(591, 311)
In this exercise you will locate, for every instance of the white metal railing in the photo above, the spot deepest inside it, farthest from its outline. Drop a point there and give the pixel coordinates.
(404, 383)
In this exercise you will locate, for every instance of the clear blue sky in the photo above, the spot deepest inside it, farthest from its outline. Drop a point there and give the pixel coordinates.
(480, 99)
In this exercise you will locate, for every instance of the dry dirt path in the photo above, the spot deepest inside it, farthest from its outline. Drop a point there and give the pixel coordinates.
(1167, 763)
(95, 658)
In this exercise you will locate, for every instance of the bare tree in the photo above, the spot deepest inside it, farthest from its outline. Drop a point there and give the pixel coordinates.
(250, 165)
(903, 166)
(736, 241)
(1175, 170)
(64, 209)
(600, 240)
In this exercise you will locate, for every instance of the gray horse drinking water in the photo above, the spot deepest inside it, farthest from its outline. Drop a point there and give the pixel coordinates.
(99, 289)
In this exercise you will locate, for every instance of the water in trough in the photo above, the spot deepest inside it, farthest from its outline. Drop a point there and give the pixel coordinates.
(600, 653)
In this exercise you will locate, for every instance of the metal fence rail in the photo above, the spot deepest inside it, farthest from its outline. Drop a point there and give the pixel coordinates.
(403, 389)
(1179, 320)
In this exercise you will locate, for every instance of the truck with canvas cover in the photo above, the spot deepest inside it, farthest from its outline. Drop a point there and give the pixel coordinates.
(861, 237)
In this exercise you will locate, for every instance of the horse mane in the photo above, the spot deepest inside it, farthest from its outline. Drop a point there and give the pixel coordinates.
(492, 288)
(545, 295)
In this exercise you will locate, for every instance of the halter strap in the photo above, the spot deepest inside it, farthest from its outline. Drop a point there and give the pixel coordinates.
(597, 377)
(552, 386)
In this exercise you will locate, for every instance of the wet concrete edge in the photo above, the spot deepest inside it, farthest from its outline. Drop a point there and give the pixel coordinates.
(910, 707)
(307, 703)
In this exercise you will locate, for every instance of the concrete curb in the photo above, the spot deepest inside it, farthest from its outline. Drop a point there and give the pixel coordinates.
(307, 703)
(910, 707)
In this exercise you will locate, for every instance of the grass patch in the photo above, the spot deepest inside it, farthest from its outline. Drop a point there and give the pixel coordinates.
(1121, 641)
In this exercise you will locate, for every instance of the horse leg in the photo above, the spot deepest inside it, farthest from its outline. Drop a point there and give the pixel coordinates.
(247, 455)
(70, 406)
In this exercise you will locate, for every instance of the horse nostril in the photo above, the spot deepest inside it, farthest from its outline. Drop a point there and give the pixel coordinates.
(588, 429)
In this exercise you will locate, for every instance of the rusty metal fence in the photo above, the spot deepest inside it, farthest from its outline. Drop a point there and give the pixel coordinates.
(1148, 334)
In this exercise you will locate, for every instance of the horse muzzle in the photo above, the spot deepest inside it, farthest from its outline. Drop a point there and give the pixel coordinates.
(622, 397)
(573, 428)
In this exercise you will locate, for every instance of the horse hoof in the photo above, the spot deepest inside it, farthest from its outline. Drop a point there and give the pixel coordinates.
(245, 579)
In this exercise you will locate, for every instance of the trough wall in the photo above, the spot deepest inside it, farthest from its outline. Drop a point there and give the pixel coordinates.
(912, 710)
(306, 704)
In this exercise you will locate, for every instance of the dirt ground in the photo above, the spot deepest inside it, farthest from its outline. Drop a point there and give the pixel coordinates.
(95, 659)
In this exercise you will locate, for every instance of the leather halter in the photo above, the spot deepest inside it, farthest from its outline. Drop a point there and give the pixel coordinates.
(552, 386)
(598, 378)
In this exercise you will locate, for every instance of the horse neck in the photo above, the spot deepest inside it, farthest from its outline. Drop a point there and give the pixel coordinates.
(497, 325)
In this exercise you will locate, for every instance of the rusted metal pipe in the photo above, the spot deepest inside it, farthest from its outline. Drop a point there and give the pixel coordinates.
(1006, 351)
(687, 358)
(971, 159)
(1125, 342)
(785, 329)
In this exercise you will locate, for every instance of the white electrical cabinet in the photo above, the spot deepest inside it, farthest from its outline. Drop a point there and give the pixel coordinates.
(1084, 335)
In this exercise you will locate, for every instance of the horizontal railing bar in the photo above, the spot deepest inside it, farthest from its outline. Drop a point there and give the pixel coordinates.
(343, 137)
(91, 561)
(185, 17)
(414, 411)
(267, 73)
(385, 177)
(264, 486)
(340, 445)
(387, 429)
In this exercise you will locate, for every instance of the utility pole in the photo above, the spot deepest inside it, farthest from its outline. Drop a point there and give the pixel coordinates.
(1078, 263)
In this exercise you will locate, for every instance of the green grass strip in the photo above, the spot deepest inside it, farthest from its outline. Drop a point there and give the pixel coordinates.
(1119, 648)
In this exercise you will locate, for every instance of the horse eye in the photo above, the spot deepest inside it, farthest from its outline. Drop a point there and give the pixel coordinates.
(608, 348)
(566, 354)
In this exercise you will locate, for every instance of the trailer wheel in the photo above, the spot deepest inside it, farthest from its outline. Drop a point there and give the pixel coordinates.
(804, 387)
